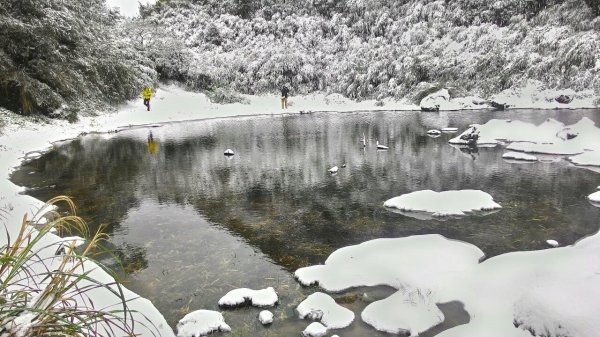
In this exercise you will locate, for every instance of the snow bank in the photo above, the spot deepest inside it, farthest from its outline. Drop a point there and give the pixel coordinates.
(427, 260)
(519, 156)
(444, 203)
(534, 95)
(550, 291)
(498, 131)
(580, 140)
(260, 298)
(411, 311)
(556, 311)
(323, 308)
(201, 323)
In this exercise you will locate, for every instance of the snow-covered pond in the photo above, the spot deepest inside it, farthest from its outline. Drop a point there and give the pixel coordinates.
(191, 224)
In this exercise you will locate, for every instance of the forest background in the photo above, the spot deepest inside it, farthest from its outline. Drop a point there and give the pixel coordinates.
(65, 58)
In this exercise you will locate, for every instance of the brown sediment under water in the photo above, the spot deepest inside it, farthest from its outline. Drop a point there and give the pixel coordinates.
(187, 224)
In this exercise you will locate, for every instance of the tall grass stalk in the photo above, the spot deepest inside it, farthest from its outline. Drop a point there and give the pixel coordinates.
(47, 288)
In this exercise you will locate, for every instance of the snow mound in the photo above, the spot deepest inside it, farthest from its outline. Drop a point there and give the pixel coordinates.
(315, 329)
(594, 197)
(376, 262)
(201, 323)
(444, 203)
(322, 307)
(259, 298)
(405, 311)
(519, 156)
(265, 317)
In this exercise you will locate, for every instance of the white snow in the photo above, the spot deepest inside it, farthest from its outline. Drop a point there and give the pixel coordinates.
(449, 129)
(552, 243)
(444, 203)
(395, 262)
(201, 323)
(333, 169)
(579, 140)
(534, 95)
(128, 8)
(260, 298)
(551, 291)
(323, 308)
(315, 329)
(555, 312)
(448, 269)
(434, 132)
(594, 197)
(405, 311)
(76, 241)
(519, 156)
(265, 317)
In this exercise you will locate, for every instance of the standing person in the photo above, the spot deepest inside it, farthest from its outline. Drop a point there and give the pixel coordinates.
(147, 94)
(284, 97)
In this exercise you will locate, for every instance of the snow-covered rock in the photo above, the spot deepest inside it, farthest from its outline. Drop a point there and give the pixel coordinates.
(444, 203)
(265, 317)
(322, 307)
(394, 262)
(552, 243)
(260, 298)
(201, 323)
(315, 329)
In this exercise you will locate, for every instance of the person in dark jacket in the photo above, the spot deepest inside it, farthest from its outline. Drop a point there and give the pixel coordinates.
(284, 97)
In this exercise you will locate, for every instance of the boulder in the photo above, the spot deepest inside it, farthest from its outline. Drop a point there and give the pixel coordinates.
(564, 99)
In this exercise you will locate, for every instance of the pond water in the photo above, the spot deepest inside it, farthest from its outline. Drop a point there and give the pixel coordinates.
(188, 224)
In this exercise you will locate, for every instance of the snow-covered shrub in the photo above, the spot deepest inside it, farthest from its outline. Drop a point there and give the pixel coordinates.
(226, 96)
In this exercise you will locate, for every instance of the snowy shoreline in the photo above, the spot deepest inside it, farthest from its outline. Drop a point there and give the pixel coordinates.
(20, 139)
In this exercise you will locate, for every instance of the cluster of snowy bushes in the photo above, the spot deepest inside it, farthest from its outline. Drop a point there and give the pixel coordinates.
(57, 57)
(375, 49)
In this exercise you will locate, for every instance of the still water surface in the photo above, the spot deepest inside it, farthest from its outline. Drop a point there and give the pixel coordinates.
(190, 224)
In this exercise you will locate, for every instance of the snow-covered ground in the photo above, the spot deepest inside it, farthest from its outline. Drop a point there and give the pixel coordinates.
(439, 269)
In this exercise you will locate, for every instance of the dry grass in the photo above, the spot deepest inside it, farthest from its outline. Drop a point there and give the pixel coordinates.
(45, 288)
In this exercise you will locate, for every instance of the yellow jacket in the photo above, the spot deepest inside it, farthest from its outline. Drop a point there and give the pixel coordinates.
(147, 93)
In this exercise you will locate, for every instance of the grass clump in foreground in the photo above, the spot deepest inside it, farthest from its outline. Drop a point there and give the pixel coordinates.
(46, 288)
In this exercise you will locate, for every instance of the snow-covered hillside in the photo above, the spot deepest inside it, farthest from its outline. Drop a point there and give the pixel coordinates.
(376, 49)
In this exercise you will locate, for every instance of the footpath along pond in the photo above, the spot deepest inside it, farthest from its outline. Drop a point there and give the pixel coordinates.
(190, 224)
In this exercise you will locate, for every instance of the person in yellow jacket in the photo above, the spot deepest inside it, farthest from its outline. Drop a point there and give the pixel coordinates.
(147, 94)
